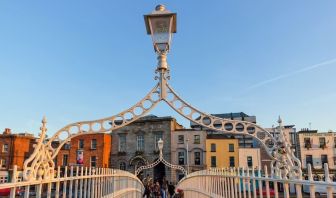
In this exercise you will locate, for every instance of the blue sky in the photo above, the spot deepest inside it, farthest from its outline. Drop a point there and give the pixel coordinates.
(83, 60)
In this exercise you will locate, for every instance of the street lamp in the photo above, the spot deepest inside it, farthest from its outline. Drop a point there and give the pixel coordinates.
(161, 24)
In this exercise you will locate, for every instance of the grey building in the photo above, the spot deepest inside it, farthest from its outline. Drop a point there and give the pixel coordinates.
(135, 145)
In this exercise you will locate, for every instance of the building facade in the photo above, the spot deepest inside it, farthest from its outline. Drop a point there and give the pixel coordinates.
(87, 150)
(317, 148)
(221, 151)
(188, 150)
(136, 145)
(15, 149)
(249, 157)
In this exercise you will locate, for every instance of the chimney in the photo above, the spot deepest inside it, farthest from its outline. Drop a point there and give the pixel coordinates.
(7, 131)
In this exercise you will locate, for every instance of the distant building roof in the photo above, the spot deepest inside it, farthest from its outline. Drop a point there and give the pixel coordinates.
(231, 115)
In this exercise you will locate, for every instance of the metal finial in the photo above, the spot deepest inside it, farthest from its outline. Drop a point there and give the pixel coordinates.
(279, 120)
(160, 7)
(44, 120)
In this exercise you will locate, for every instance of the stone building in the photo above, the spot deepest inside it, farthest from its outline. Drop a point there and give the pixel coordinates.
(135, 145)
(87, 150)
(194, 141)
(15, 149)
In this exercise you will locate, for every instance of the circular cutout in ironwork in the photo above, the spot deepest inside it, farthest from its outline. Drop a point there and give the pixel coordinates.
(137, 110)
(155, 97)
(147, 104)
(177, 104)
(217, 124)
(269, 143)
(84, 128)
(170, 97)
(228, 126)
(251, 129)
(206, 120)
(261, 135)
(196, 116)
(96, 126)
(118, 121)
(186, 111)
(74, 130)
(107, 124)
(128, 116)
(239, 127)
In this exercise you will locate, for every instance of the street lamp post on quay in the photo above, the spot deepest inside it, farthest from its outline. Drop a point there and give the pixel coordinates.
(187, 156)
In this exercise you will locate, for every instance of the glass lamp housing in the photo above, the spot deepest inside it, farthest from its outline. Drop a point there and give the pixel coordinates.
(160, 24)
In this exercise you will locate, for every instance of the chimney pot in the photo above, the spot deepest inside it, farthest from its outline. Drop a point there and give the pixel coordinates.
(7, 131)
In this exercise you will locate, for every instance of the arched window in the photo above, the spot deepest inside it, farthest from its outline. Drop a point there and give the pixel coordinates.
(122, 166)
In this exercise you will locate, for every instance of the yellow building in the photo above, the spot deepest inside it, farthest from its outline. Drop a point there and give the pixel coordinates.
(221, 151)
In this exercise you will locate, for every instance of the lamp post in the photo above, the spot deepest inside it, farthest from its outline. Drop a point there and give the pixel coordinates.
(188, 156)
(161, 24)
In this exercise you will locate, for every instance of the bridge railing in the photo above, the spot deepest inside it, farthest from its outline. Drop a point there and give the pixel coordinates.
(240, 183)
(77, 182)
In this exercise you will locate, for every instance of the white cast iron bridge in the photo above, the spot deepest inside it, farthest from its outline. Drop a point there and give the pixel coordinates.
(40, 177)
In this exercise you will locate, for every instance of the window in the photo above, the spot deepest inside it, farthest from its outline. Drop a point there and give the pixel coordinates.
(197, 158)
(213, 147)
(122, 143)
(5, 148)
(65, 160)
(3, 163)
(322, 142)
(93, 144)
(3, 179)
(309, 160)
(249, 161)
(324, 159)
(181, 139)
(93, 161)
(231, 147)
(232, 161)
(158, 136)
(213, 161)
(335, 142)
(181, 157)
(197, 139)
(140, 143)
(122, 166)
(307, 143)
(81, 144)
(67, 146)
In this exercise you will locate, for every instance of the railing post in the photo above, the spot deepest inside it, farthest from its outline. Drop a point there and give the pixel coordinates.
(327, 179)
(76, 182)
(71, 181)
(260, 183)
(65, 181)
(13, 189)
(81, 182)
(57, 182)
(267, 182)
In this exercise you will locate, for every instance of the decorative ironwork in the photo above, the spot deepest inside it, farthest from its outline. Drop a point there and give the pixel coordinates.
(161, 159)
(40, 164)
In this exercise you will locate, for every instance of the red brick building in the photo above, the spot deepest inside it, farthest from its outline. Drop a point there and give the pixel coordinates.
(14, 150)
(86, 150)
